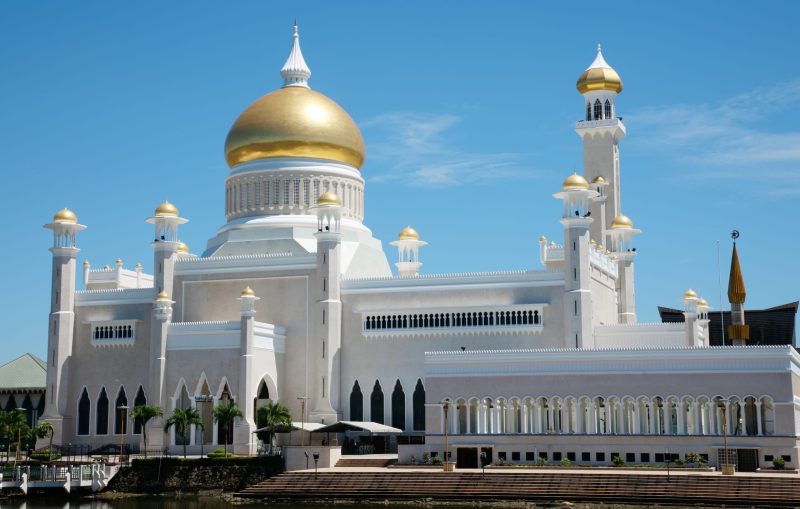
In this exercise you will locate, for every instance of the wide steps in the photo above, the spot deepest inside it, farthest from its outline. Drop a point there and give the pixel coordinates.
(365, 462)
(528, 485)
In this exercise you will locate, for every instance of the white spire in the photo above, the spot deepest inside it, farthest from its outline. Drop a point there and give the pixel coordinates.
(599, 61)
(295, 72)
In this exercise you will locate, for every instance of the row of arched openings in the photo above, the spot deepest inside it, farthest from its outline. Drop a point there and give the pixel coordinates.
(398, 405)
(472, 319)
(103, 413)
(113, 332)
(598, 111)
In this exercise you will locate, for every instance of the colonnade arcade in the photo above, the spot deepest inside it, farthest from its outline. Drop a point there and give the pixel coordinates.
(617, 415)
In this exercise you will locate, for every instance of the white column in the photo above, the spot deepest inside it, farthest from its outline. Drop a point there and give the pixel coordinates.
(537, 421)
(441, 419)
(621, 419)
(593, 417)
(495, 412)
(728, 418)
(525, 410)
(667, 417)
(712, 417)
(481, 410)
(551, 426)
(698, 418)
(759, 431)
(637, 417)
(681, 409)
(653, 417)
(469, 418)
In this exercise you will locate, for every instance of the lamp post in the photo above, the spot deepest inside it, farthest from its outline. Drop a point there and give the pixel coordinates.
(123, 417)
(446, 409)
(316, 463)
(17, 456)
(727, 468)
(302, 418)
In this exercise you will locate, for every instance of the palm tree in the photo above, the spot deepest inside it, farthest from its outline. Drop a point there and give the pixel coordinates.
(273, 416)
(182, 419)
(144, 413)
(16, 423)
(225, 414)
(45, 429)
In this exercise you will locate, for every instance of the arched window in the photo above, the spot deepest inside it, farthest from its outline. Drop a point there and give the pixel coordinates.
(376, 403)
(588, 111)
(139, 400)
(536, 317)
(419, 406)
(608, 109)
(121, 413)
(84, 405)
(225, 432)
(598, 110)
(183, 402)
(398, 406)
(356, 403)
(102, 413)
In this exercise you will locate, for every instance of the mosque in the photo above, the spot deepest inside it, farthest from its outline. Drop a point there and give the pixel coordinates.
(293, 300)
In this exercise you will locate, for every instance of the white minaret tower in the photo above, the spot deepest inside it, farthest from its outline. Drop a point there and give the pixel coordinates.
(690, 318)
(601, 131)
(243, 431)
(576, 195)
(621, 236)
(162, 316)
(324, 383)
(61, 327)
(165, 245)
(408, 245)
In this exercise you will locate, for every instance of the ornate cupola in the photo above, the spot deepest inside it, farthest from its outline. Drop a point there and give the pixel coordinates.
(408, 244)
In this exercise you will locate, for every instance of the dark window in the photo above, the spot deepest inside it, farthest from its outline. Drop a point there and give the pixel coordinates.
(376, 403)
(614, 455)
(102, 413)
(598, 110)
(529, 456)
(515, 456)
(787, 458)
(586, 456)
(419, 406)
(356, 403)
(659, 457)
(600, 456)
(121, 414)
(645, 457)
(501, 455)
(705, 457)
(768, 457)
(84, 406)
(543, 456)
(139, 401)
(556, 456)
(630, 457)
(399, 406)
(571, 456)
(608, 109)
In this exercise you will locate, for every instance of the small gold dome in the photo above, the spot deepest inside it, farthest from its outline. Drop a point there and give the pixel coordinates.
(248, 292)
(86, 263)
(599, 180)
(65, 216)
(408, 233)
(702, 302)
(542, 239)
(690, 295)
(183, 248)
(575, 182)
(552, 244)
(599, 76)
(329, 198)
(621, 221)
(162, 296)
(294, 122)
(166, 209)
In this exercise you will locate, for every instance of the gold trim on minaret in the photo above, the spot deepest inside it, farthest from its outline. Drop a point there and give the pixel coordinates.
(736, 291)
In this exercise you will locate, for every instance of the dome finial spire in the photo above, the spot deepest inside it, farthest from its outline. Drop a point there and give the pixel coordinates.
(295, 72)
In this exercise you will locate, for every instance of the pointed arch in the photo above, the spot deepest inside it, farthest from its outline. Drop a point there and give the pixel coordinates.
(376, 403)
(139, 400)
(224, 435)
(598, 110)
(101, 427)
(398, 406)
(418, 405)
(607, 109)
(204, 402)
(224, 386)
(84, 408)
(121, 412)
(11, 404)
(356, 403)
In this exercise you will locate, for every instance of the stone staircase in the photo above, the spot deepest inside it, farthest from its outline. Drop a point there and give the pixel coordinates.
(590, 487)
(365, 462)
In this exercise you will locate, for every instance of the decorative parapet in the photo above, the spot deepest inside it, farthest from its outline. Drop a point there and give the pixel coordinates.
(608, 122)
(244, 263)
(118, 276)
(521, 318)
(115, 296)
(223, 335)
(438, 281)
(640, 335)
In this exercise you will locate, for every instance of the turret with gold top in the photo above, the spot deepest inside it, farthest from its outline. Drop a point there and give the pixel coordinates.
(620, 237)
(408, 244)
(738, 331)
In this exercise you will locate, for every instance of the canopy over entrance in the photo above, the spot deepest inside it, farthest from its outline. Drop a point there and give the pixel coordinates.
(363, 426)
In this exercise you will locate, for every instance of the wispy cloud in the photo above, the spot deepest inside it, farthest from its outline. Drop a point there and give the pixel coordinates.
(735, 138)
(417, 149)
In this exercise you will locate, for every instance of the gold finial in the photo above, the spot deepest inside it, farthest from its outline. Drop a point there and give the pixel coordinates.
(65, 215)
(689, 295)
(621, 222)
(542, 239)
(162, 296)
(736, 290)
(574, 182)
(329, 198)
(408, 233)
(248, 292)
(183, 248)
(166, 209)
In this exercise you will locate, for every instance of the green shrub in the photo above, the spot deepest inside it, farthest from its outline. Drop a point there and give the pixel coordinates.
(426, 458)
(437, 460)
(565, 462)
(44, 455)
(617, 461)
(778, 463)
(220, 454)
(542, 462)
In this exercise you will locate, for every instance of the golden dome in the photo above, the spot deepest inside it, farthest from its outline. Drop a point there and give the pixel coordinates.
(294, 122)
(599, 76)
(690, 294)
(702, 303)
(575, 182)
(621, 221)
(599, 180)
(329, 198)
(552, 244)
(248, 292)
(86, 263)
(408, 233)
(162, 296)
(183, 248)
(542, 239)
(166, 209)
(65, 216)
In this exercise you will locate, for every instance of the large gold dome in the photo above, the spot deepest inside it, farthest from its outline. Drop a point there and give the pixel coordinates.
(294, 121)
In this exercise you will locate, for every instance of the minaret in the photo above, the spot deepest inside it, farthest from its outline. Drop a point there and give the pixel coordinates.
(738, 331)
(243, 431)
(295, 72)
(690, 318)
(601, 131)
(61, 326)
(324, 384)
(576, 219)
(621, 235)
(165, 245)
(408, 245)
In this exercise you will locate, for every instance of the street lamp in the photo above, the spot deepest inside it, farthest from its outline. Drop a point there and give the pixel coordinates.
(19, 436)
(316, 463)
(123, 418)
(727, 468)
(446, 409)
(303, 400)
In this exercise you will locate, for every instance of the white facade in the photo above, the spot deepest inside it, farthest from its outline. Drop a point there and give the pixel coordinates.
(541, 360)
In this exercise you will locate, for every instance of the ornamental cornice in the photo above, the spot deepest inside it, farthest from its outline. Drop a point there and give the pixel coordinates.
(244, 263)
(114, 296)
(526, 278)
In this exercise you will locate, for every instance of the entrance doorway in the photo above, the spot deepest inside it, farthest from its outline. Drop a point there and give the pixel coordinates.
(748, 460)
(467, 457)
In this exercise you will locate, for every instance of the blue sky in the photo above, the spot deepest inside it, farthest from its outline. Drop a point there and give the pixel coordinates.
(467, 110)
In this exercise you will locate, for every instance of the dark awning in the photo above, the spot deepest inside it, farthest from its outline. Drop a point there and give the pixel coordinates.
(370, 427)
